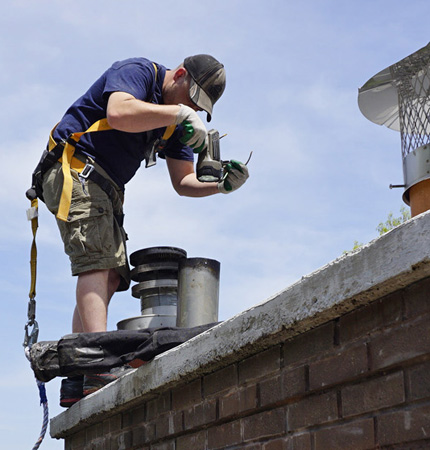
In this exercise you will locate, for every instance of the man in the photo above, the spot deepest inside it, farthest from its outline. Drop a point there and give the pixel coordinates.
(102, 139)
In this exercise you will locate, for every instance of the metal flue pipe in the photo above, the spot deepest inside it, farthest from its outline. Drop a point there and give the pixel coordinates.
(198, 292)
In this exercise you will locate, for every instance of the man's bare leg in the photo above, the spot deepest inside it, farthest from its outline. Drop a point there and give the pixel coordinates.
(93, 292)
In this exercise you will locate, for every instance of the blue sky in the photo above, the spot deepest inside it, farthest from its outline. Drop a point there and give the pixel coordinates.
(319, 173)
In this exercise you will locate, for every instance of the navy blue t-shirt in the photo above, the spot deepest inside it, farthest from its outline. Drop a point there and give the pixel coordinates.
(118, 152)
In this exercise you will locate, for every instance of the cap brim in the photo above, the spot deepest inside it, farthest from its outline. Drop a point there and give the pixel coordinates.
(200, 98)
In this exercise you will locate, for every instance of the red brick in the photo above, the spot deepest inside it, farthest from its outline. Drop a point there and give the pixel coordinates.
(401, 344)
(404, 426)
(311, 343)
(224, 435)
(418, 381)
(299, 442)
(134, 417)
(168, 424)
(248, 398)
(159, 405)
(263, 425)
(358, 435)
(277, 389)
(97, 444)
(229, 405)
(373, 395)
(277, 444)
(271, 391)
(112, 424)
(238, 402)
(94, 432)
(417, 299)
(187, 395)
(416, 445)
(374, 316)
(162, 426)
(200, 414)
(220, 380)
(313, 410)
(143, 434)
(170, 445)
(78, 440)
(127, 419)
(293, 382)
(344, 365)
(122, 440)
(260, 365)
(196, 441)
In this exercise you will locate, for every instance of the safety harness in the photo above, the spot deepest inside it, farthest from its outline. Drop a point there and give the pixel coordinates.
(64, 152)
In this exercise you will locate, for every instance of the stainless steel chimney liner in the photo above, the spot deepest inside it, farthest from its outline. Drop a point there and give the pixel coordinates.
(198, 292)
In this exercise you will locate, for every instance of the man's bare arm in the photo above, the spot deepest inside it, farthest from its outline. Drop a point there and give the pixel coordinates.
(126, 113)
(185, 182)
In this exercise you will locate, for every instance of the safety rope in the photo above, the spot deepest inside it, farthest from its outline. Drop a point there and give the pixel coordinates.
(31, 337)
(44, 403)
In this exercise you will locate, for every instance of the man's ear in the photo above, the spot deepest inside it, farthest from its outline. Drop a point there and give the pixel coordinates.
(180, 73)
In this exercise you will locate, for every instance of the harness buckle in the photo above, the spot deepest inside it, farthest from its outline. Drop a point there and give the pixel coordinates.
(83, 176)
(86, 171)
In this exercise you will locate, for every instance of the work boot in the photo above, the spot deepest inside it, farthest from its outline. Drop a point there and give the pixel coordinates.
(93, 383)
(71, 391)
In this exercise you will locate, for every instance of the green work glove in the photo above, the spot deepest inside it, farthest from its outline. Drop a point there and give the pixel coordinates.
(195, 133)
(235, 175)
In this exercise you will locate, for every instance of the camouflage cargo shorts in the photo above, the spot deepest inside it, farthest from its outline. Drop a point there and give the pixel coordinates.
(92, 238)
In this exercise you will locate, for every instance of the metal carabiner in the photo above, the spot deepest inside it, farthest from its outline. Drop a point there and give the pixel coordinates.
(31, 338)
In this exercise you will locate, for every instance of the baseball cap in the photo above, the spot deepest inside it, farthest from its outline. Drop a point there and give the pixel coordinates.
(207, 81)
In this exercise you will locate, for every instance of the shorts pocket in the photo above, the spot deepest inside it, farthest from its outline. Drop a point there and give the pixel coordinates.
(89, 230)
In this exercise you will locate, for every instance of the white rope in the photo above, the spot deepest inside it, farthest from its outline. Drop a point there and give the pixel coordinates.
(43, 402)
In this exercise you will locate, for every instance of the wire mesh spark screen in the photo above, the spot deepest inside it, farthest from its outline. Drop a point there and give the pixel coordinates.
(412, 80)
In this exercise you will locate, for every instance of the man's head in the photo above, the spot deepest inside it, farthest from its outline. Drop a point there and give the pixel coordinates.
(207, 81)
